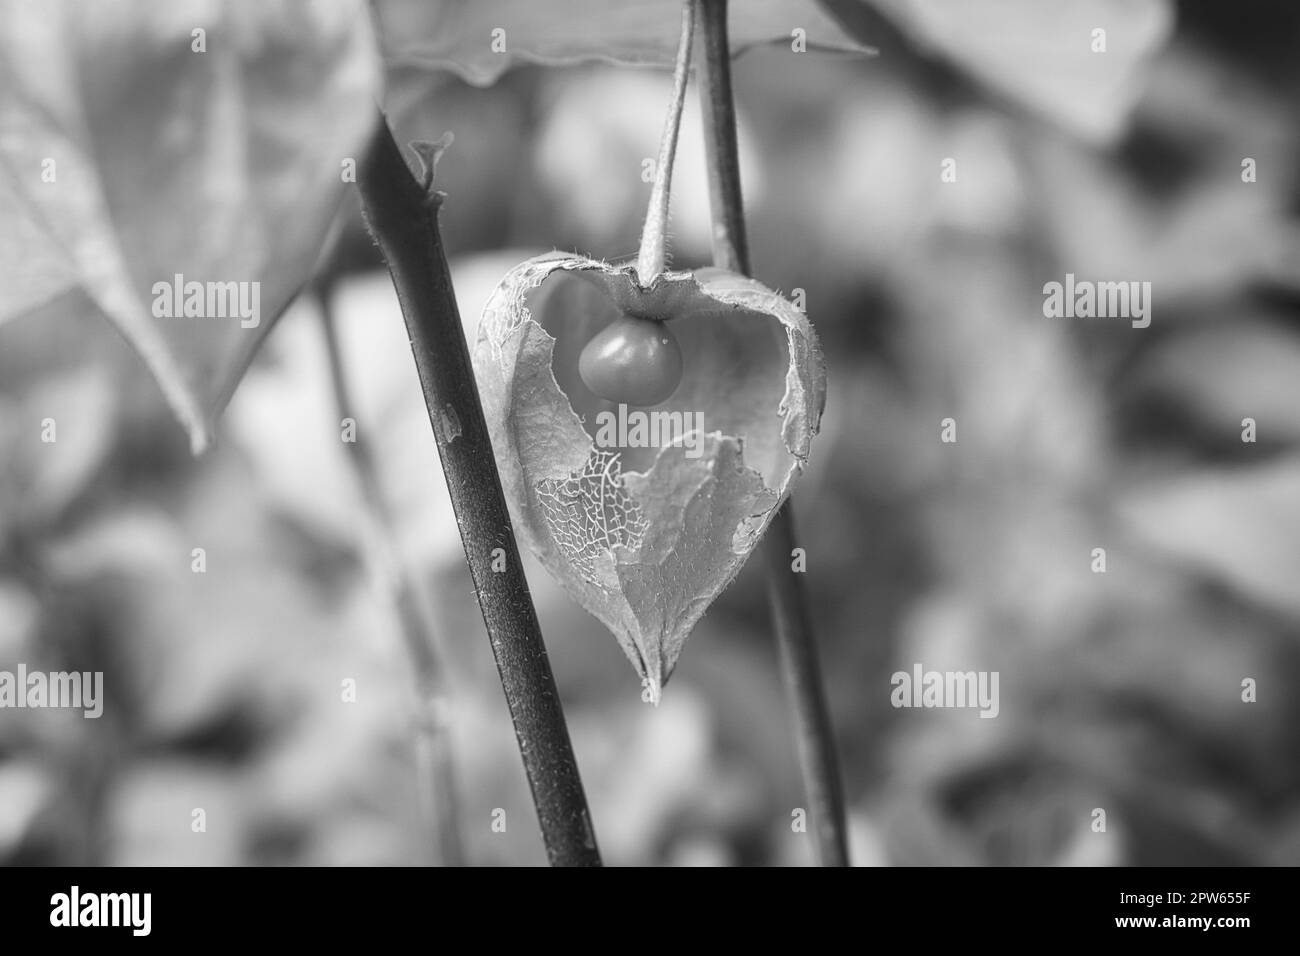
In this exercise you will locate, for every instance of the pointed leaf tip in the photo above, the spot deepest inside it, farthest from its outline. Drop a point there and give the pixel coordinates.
(429, 154)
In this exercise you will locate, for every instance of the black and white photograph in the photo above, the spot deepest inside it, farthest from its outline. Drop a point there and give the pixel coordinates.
(657, 433)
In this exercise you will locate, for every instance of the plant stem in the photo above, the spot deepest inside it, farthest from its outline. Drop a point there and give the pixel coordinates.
(718, 112)
(788, 601)
(803, 680)
(654, 235)
(437, 779)
(402, 214)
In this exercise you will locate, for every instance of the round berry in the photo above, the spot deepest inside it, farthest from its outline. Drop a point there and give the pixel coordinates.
(632, 362)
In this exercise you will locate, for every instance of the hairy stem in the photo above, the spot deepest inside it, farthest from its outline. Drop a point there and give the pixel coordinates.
(815, 737)
(437, 779)
(402, 214)
(654, 235)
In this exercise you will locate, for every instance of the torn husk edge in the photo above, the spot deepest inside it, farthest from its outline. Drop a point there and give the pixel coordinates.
(648, 605)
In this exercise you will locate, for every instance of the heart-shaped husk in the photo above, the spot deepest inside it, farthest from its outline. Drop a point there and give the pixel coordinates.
(643, 537)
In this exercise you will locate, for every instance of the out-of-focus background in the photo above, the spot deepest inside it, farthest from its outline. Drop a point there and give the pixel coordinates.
(1120, 690)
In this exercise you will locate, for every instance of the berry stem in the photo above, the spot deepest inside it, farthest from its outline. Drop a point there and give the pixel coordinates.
(654, 235)
(815, 737)
(402, 213)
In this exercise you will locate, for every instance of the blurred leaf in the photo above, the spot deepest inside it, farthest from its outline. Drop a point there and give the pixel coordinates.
(19, 619)
(650, 765)
(460, 35)
(1040, 54)
(130, 541)
(25, 790)
(39, 478)
(149, 810)
(1241, 526)
(1220, 374)
(284, 417)
(220, 166)
(1214, 239)
(46, 273)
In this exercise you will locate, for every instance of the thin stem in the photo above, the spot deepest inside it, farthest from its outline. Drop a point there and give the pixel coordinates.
(654, 235)
(402, 214)
(815, 736)
(718, 111)
(437, 780)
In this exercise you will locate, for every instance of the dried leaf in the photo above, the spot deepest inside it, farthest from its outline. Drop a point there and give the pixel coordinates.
(645, 530)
